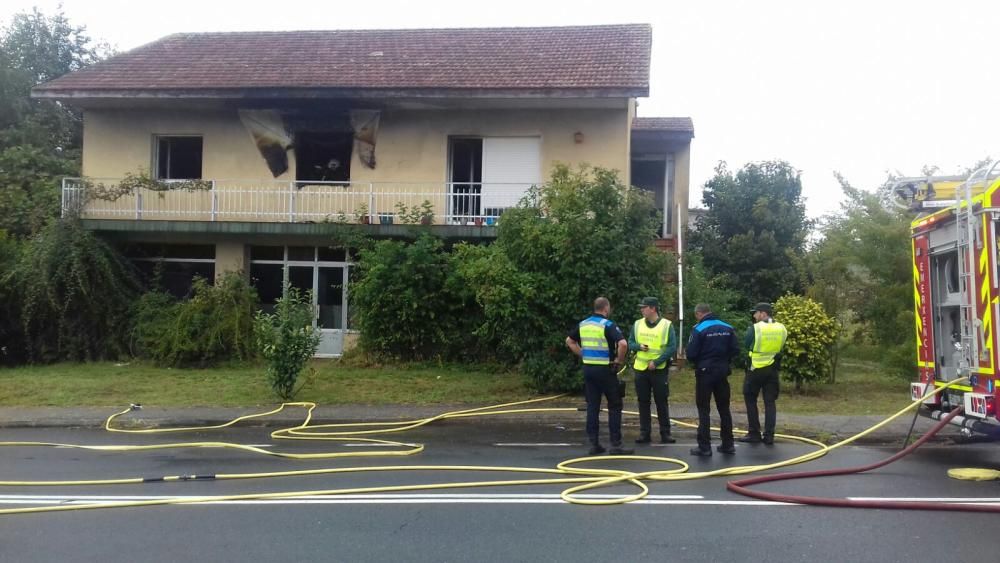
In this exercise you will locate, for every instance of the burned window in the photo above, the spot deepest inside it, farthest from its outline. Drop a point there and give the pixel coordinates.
(323, 156)
(178, 158)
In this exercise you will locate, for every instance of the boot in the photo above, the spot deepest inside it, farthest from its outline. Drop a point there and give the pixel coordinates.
(729, 449)
(701, 453)
(596, 449)
(619, 450)
(750, 438)
(667, 439)
(643, 439)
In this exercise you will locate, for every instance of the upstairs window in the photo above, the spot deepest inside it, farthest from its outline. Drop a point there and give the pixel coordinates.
(178, 158)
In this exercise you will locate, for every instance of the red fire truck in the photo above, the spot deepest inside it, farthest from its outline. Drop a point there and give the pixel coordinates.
(956, 295)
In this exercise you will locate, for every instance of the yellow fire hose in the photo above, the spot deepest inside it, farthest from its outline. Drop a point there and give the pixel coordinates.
(569, 471)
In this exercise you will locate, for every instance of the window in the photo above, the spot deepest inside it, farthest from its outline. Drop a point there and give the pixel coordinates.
(178, 158)
(323, 156)
(172, 267)
(490, 174)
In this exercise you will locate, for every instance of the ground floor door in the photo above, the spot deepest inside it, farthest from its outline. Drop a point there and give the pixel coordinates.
(325, 280)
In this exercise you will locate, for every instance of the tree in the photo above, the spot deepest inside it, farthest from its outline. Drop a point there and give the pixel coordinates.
(753, 234)
(862, 265)
(40, 140)
(581, 235)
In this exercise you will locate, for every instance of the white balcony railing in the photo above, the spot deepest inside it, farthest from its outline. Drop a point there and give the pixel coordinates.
(295, 202)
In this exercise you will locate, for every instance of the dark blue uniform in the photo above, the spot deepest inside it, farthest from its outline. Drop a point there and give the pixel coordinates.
(711, 349)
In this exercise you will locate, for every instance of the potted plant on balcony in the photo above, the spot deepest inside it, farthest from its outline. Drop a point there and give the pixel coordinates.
(385, 218)
(362, 214)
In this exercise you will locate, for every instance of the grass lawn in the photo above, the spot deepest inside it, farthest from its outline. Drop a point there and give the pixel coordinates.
(111, 384)
(861, 388)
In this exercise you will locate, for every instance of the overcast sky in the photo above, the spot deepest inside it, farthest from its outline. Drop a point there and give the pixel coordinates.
(858, 87)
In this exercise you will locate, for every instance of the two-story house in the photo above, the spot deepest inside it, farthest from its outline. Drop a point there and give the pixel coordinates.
(212, 152)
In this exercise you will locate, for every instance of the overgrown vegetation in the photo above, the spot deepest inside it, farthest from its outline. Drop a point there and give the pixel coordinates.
(580, 235)
(72, 293)
(215, 325)
(287, 340)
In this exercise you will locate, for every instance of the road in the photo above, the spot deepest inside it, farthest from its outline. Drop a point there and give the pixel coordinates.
(695, 520)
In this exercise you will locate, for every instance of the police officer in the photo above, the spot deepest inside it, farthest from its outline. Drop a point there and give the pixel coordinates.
(764, 342)
(654, 342)
(711, 349)
(602, 347)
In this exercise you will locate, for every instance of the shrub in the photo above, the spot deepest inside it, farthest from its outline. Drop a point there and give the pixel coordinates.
(73, 292)
(287, 340)
(581, 235)
(407, 303)
(214, 325)
(811, 334)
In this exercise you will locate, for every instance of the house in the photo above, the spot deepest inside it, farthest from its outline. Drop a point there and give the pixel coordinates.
(212, 152)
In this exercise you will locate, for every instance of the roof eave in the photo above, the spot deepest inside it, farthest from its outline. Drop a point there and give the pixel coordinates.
(71, 95)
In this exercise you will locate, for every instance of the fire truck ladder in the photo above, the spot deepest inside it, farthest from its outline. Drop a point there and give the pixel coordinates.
(970, 326)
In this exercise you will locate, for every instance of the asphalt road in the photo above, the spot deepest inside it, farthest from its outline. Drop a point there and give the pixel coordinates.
(694, 520)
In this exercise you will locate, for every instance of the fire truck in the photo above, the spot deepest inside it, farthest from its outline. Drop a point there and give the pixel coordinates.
(956, 294)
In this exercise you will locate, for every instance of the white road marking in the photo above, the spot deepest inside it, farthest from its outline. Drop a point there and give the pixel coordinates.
(530, 444)
(452, 498)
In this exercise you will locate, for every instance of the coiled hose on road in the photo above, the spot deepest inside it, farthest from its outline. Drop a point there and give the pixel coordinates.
(579, 479)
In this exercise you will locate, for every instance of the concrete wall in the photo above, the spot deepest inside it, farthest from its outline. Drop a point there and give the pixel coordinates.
(411, 158)
(412, 146)
(120, 141)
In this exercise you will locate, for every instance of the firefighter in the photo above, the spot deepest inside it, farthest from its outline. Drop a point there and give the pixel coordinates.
(764, 342)
(599, 342)
(654, 342)
(711, 349)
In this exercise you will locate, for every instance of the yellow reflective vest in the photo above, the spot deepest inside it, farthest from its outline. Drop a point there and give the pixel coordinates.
(656, 338)
(768, 340)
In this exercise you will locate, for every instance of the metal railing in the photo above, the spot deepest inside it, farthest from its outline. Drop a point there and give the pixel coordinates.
(295, 202)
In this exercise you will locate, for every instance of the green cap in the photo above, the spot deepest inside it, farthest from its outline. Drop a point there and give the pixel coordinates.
(650, 302)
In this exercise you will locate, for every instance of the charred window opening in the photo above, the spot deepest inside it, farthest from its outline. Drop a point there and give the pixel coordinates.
(178, 158)
(323, 156)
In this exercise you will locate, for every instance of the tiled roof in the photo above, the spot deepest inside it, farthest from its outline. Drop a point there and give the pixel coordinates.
(597, 58)
(681, 124)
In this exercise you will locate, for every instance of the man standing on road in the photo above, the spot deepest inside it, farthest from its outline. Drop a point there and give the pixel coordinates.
(654, 342)
(711, 349)
(602, 347)
(764, 342)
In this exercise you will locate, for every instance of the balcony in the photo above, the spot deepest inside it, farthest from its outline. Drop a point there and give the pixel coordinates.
(248, 201)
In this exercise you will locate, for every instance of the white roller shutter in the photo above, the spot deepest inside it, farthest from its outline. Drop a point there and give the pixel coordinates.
(511, 165)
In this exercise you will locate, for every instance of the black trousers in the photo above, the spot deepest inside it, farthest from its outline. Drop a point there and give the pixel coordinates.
(655, 384)
(764, 380)
(601, 381)
(713, 382)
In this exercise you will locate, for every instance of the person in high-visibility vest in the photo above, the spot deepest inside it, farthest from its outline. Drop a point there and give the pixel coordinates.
(764, 342)
(599, 342)
(654, 342)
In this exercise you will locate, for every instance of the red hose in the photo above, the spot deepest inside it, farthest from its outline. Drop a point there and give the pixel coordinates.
(741, 485)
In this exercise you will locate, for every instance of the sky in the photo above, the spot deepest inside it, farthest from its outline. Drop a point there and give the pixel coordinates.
(861, 88)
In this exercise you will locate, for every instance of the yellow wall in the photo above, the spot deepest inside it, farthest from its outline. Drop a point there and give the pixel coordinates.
(120, 141)
(411, 158)
(229, 257)
(412, 146)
